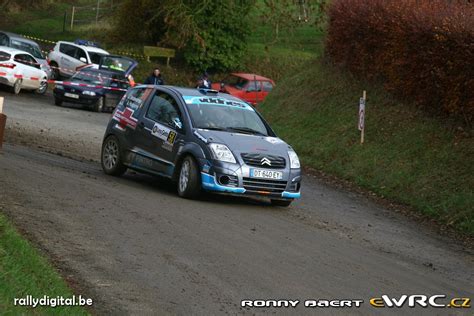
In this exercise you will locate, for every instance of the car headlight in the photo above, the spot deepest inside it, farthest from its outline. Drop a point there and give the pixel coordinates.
(222, 152)
(59, 87)
(294, 160)
(91, 93)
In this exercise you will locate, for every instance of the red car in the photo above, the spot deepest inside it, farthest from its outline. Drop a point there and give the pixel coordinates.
(248, 87)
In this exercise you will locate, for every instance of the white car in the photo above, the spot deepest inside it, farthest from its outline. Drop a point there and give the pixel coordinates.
(20, 70)
(66, 58)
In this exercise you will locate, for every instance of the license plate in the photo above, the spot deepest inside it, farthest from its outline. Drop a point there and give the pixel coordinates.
(71, 95)
(266, 174)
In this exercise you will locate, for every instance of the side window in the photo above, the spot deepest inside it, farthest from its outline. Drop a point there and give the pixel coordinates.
(21, 58)
(254, 86)
(267, 86)
(30, 61)
(164, 109)
(67, 49)
(3, 40)
(134, 100)
(80, 53)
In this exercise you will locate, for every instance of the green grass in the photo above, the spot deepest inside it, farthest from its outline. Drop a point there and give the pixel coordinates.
(23, 271)
(408, 156)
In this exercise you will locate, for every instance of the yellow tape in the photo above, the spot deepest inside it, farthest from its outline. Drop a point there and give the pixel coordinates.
(39, 39)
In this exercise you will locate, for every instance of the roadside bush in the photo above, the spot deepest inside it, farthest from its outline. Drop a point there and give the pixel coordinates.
(421, 50)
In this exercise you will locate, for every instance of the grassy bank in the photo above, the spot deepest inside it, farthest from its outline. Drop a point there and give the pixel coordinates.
(408, 156)
(23, 271)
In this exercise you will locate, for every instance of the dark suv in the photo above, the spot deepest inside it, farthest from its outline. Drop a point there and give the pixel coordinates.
(203, 140)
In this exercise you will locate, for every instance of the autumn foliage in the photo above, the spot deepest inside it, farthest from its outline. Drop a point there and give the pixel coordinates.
(422, 50)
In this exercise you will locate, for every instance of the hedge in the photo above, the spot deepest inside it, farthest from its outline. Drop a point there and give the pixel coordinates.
(422, 50)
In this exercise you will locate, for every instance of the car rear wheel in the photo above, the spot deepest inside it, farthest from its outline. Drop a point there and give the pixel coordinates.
(284, 203)
(54, 71)
(111, 159)
(17, 86)
(43, 87)
(99, 106)
(189, 185)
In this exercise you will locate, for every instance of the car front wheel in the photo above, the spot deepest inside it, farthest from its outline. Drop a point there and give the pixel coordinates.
(54, 71)
(111, 159)
(189, 185)
(17, 86)
(99, 106)
(43, 87)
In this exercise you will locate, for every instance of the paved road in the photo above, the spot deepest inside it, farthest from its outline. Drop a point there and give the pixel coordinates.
(136, 248)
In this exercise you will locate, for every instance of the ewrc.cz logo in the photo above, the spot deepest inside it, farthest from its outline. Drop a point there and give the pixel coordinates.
(420, 300)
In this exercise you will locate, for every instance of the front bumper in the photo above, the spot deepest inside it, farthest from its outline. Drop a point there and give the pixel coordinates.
(233, 179)
(83, 99)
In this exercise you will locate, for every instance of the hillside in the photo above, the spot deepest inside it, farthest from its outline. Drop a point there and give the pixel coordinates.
(408, 157)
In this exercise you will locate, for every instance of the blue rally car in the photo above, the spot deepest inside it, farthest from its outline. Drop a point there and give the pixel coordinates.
(203, 140)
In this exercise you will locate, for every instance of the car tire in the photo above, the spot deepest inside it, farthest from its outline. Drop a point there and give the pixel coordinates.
(283, 203)
(55, 75)
(17, 87)
(189, 184)
(100, 105)
(111, 157)
(43, 87)
(58, 102)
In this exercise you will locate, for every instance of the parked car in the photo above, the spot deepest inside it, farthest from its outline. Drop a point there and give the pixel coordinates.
(20, 70)
(99, 89)
(67, 57)
(203, 140)
(19, 42)
(249, 87)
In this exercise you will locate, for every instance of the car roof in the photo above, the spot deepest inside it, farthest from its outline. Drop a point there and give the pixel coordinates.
(250, 76)
(13, 50)
(87, 48)
(99, 71)
(193, 92)
(19, 37)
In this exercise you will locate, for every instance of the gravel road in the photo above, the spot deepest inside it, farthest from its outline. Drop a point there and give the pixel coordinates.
(136, 248)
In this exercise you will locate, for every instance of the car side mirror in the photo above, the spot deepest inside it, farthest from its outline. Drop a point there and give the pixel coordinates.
(177, 123)
(83, 60)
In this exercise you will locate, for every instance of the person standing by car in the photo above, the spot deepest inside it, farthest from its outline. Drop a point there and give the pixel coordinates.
(155, 78)
(204, 82)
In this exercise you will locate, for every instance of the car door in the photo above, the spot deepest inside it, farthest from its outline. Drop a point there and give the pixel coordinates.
(253, 92)
(66, 59)
(80, 58)
(24, 70)
(113, 96)
(34, 70)
(159, 129)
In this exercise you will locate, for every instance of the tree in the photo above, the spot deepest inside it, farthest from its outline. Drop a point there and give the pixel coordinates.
(210, 34)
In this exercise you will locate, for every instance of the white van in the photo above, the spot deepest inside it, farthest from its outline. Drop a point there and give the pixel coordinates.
(67, 57)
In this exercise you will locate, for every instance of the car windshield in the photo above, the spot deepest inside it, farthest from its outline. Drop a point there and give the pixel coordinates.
(236, 82)
(91, 77)
(95, 57)
(27, 47)
(225, 115)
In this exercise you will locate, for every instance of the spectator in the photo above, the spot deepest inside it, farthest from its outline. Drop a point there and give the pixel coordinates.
(155, 78)
(204, 82)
